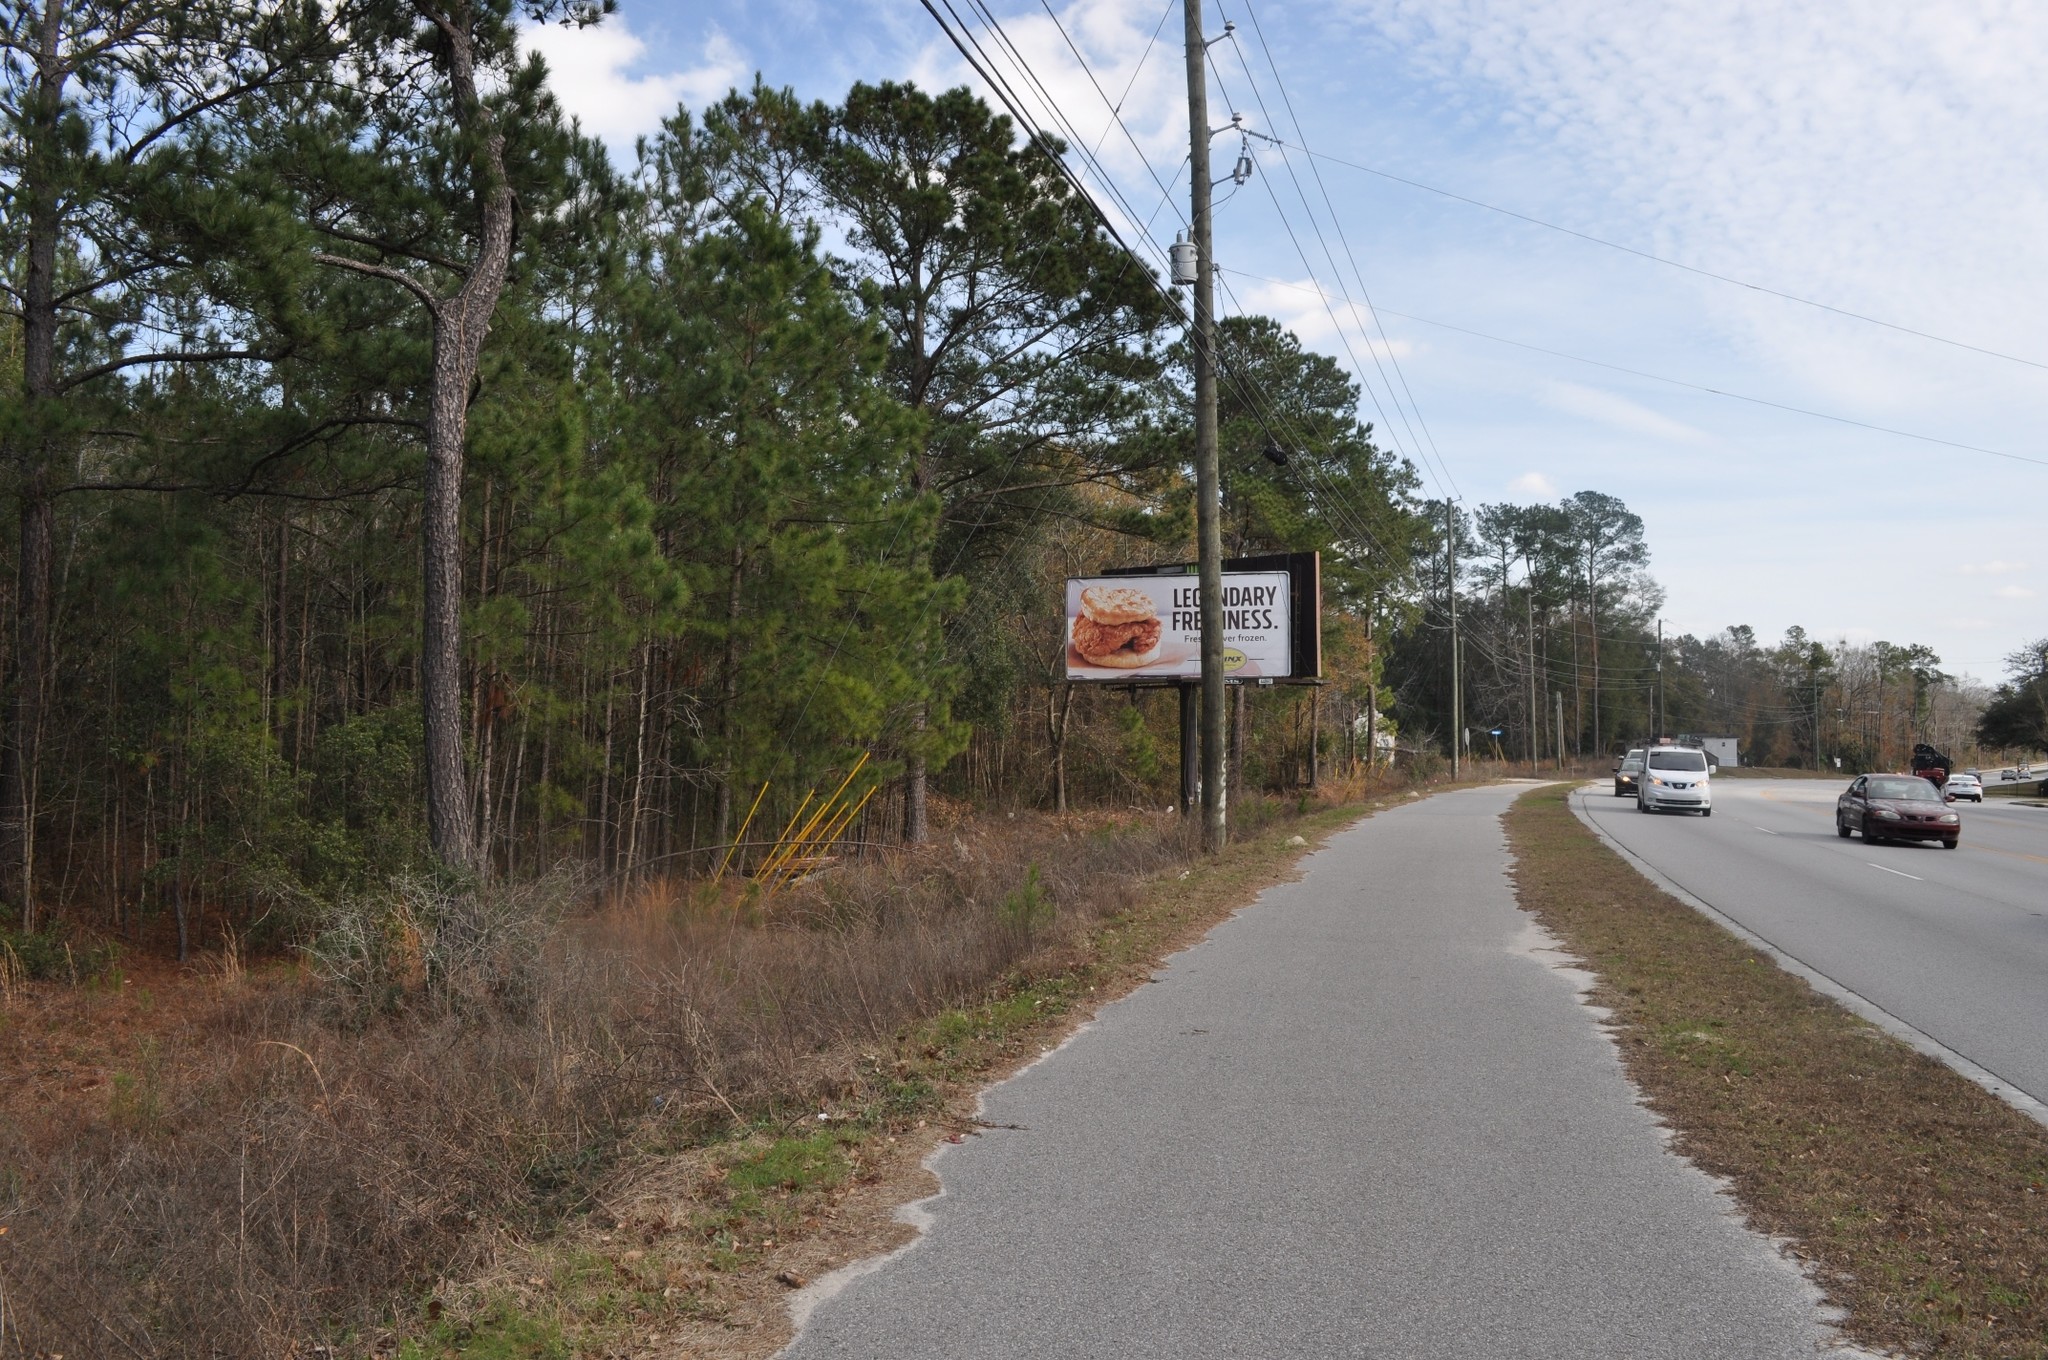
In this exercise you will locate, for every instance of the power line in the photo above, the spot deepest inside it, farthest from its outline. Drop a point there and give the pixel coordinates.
(1266, 415)
(1679, 382)
(1675, 264)
(1337, 222)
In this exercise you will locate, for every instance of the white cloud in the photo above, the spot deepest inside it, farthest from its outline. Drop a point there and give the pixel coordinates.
(591, 72)
(1534, 484)
(1991, 568)
(2013, 593)
(1618, 412)
(1894, 163)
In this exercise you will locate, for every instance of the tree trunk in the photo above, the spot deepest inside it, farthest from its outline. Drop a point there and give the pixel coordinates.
(728, 726)
(1314, 735)
(460, 325)
(20, 763)
(1059, 707)
(916, 829)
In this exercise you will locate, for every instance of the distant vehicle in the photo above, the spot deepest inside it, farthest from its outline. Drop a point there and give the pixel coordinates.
(1627, 773)
(1961, 786)
(1931, 765)
(1675, 777)
(1896, 807)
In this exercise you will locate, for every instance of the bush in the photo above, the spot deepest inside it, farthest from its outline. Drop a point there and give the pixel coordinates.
(48, 955)
(455, 945)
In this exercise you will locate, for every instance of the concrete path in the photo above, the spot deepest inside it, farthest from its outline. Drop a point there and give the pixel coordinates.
(1367, 1117)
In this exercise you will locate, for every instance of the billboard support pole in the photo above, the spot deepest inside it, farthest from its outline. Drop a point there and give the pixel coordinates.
(1190, 749)
(1208, 515)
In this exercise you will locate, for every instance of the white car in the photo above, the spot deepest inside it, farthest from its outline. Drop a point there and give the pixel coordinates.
(1675, 777)
(1965, 786)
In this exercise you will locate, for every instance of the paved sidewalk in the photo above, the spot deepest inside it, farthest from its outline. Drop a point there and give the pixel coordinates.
(1367, 1117)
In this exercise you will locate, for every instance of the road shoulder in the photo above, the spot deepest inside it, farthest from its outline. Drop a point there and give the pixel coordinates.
(1918, 1201)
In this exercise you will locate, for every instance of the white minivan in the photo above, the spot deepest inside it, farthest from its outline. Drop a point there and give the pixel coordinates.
(1675, 777)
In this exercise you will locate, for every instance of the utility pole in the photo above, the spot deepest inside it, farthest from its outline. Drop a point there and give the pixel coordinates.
(1208, 499)
(1559, 696)
(1535, 718)
(1659, 733)
(1457, 695)
(1816, 720)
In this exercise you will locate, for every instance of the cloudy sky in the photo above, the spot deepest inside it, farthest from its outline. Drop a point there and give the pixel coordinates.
(1883, 157)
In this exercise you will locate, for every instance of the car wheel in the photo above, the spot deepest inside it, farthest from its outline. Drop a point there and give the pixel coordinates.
(1870, 837)
(1706, 812)
(1841, 829)
(1642, 803)
(1948, 845)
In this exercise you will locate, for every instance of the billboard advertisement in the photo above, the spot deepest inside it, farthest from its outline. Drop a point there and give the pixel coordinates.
(1127, 628)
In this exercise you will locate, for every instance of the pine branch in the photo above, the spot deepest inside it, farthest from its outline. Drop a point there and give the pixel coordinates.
(378, 271)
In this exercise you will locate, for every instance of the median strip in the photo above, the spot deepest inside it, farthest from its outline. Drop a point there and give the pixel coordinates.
(1917, 1201)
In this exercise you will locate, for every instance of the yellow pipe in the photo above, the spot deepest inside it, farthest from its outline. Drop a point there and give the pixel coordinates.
(804, 835)
(762, 867)
(742, 836)
(832, 830)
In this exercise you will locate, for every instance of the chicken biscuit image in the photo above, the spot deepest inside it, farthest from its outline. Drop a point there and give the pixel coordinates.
(1117, 627)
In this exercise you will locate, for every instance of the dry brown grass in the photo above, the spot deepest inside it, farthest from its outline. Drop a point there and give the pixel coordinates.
(1918, 1200)
(296, 1159)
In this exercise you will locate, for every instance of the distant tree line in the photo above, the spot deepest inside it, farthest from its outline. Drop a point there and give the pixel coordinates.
(1558, 619)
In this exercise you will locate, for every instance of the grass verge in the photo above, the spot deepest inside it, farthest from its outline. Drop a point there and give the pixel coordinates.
(699, 1246)
(1918, 1201)
(496, 1126)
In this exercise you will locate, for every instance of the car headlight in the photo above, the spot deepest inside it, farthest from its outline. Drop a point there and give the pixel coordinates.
(1888, 814)
(1950, 817)
(1658, 782)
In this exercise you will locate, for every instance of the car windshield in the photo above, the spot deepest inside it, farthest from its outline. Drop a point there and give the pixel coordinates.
(1910, 790)
(1678, 760)
(1632, 763)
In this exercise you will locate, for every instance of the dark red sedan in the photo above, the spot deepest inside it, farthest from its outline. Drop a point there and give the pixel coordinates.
(1897, 807)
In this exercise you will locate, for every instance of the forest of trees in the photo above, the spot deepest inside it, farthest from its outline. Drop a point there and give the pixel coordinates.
(400, 481)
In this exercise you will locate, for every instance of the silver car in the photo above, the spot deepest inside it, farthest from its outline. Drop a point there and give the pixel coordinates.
(1675, 778)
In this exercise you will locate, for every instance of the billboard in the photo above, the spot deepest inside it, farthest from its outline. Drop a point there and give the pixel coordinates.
(1131, 628)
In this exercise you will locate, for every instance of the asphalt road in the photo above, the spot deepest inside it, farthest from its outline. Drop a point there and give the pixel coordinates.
(1368, 1117)
(1952, 942)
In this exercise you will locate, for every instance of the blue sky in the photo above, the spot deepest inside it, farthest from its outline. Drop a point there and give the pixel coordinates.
(1885, 157)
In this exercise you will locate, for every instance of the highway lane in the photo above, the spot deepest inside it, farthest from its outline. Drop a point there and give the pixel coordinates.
(1953, 943)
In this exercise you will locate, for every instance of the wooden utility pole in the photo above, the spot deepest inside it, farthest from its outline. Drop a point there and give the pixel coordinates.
(1208, 507)
(1659, 733)
(1535, 716)
(1457, 695)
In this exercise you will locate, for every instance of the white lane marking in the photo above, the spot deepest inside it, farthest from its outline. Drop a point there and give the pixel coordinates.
(1767, 831)
(1900, 872)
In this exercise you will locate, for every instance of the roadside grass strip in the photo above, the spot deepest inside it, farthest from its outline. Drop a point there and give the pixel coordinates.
(1918, 1201)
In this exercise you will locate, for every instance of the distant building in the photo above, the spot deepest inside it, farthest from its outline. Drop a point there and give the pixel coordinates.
(1721, 751)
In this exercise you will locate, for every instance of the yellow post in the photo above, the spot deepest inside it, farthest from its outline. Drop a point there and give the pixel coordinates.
(832, 831)
(768, 871)
(742, 836)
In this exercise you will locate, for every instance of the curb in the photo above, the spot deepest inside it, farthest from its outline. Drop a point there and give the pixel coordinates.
(1856, 1002)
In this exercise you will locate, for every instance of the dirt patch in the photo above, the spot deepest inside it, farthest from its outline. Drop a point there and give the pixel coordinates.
(1917, 1201)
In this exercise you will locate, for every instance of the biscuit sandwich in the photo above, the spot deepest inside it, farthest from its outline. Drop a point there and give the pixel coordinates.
(1117, 627)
